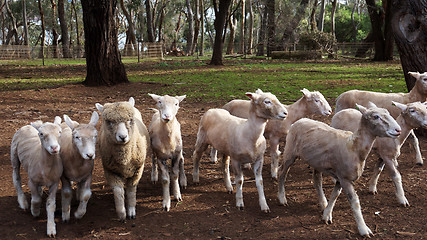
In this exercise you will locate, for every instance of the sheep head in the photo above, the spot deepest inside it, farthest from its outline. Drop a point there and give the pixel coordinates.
(168, 106)
(415, 114)
(49, 134)
(84, 136)
(379, 121)
(267, 105)
(316, 103)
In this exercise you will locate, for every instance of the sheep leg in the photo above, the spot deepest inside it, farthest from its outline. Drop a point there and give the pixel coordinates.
(260, 185)
(36, 198)
(317, 181)
(50, 210)
(165, 183)
(327, 212)
(119, 201)
(375, 176)
(154, 169)
(237, 167)
(355, 206)
(66, 195)
(182, 176)
(397, 180)
(226, 167)
(16, 165)
(275, 154)
(197, 154)
(84, 196)
(174, 177)
(284, 170)
(416, 145)
(214, 154)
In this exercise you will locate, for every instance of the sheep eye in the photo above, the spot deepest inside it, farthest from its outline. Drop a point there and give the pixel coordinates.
(376, 117)
(267, 101)
(411, 110)
(41, 134)
(316, 100)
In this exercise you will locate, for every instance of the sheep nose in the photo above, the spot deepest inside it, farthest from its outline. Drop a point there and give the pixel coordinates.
(123, 138)
(398, 131)
(90, 155)
(54, 149)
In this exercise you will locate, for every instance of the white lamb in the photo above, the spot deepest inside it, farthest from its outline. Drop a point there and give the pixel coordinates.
(166, 143)
(238, 138)
(123, 143)
(413, 115)
(276, 130)
(36, 147)
(339, 153)
(78, 154)
(418, 93)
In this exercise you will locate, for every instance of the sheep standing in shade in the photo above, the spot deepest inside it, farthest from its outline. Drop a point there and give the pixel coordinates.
(339, 153)
(123, 143)
(166, 143)
(36, 147)
(418, 93)
(413, 115)
(78, 154)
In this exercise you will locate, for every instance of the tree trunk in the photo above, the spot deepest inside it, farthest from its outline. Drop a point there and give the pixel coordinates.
(64, 30)
(232, 22)
(130, 33)
(202, 28)
(313, 24)
(220, 10)
(333, 10)
(271, 26)
(388, 33)
(103, 63)
(293, 23)
(13, 31)
(250, 28)
(376, 16)
(353, 23)
(262, 30)
(54, 32)
(150, 30)
(190, 35)
(322, 15)
(196, 25)
(409, 28)
(79, 46)
(24, 17)
(242, 28)
(43, 30)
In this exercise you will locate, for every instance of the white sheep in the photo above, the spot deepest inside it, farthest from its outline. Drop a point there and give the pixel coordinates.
(238, 138)
(123, 143)
(276, 130)
(166, 143)
(339, 153)
(418, 93)
(77, 153)
(413, 115)
(36, 147)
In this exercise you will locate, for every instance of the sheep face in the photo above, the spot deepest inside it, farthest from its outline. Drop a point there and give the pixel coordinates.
(168, 106)
(49, 134)
(317, 103)
(421, 81)
(84, 136)
(415, 114)
(379, 120)
(267, 105)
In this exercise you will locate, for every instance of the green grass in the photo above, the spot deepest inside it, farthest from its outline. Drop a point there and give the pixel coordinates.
(202, 82)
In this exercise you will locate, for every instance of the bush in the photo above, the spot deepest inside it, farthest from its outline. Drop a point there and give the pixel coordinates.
(316, 40)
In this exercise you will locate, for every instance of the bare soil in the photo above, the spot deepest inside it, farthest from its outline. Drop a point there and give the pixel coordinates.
(207, 210)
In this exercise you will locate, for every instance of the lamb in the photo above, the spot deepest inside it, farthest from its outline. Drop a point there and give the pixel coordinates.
(418, 93)
(413, 115)
(123, 143)
(77, 154)
(166, 143)
(238, 138)
(36, 147)
(276, 130)
(339, 153)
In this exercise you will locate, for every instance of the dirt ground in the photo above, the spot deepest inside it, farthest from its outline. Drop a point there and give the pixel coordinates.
(207, 210)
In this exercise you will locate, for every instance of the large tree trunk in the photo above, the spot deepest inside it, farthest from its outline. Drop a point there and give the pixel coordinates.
(271, 26)
(150, 25)
(196, 25)
(221, 10)
(12, 32)
(54, 32)
(232, 22)
(103, 63)
(24, 19)
(250, 28)
(322, 15)
(242, 28)
(333, 10)
(388, 33)
(313, 24)
(79, 46)
(293, 23)
(43, 30)
(190, 35)
(130, 33)
(202, 28)
(410, 33)
(64, 30)
(376, 16)
(262, 30)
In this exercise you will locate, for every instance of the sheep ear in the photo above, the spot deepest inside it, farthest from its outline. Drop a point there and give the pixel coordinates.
(306, 93)
(259, 91)
(401, 106)
(58, 120)
(99, 107)
(155, 97)
(180, 98)
(371, 105)
(361, 108)
(94, 119)
(414, 74)
(132, 101)
(37, 124)
(252, 96)
(69, 122)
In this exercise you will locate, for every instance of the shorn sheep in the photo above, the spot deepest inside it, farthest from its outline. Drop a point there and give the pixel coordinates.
(123, 143)
(78, 154)
(238, 138)
(166, 143)
(418, 93)
(413, 115)
(36, 147)
(276, 130)
(339, 153)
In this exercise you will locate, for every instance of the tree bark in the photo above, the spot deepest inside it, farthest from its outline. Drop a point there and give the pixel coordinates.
(250, 28)
(196, 25)
(271, 26)
(202, 28)
(388, 33)
(262, 30)
(130, 33)
(313, 24)
(333, 10)
(376, 16)
(150, 30)
(64, 30)
(232, 21)
(13, 31)
(190, 35)
(79, 46)
(54, 32)
(220, 9)
(103, 63)
(409, 26)
(43, 30)
(24, 17)
(242, 28)
(322, 15)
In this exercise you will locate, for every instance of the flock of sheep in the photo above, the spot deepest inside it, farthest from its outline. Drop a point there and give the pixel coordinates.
(50, 152)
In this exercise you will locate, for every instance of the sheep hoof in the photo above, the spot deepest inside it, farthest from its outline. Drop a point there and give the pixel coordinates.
(420, 163)
(230, 191)
(328, 222)
(154, 182)
(266, 210)
(374, 192)
(66, 221)
(240, 208)
(132, 217)
(51, 235)
(166, 209)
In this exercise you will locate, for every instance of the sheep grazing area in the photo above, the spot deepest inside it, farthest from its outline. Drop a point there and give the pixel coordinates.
(207, 210)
